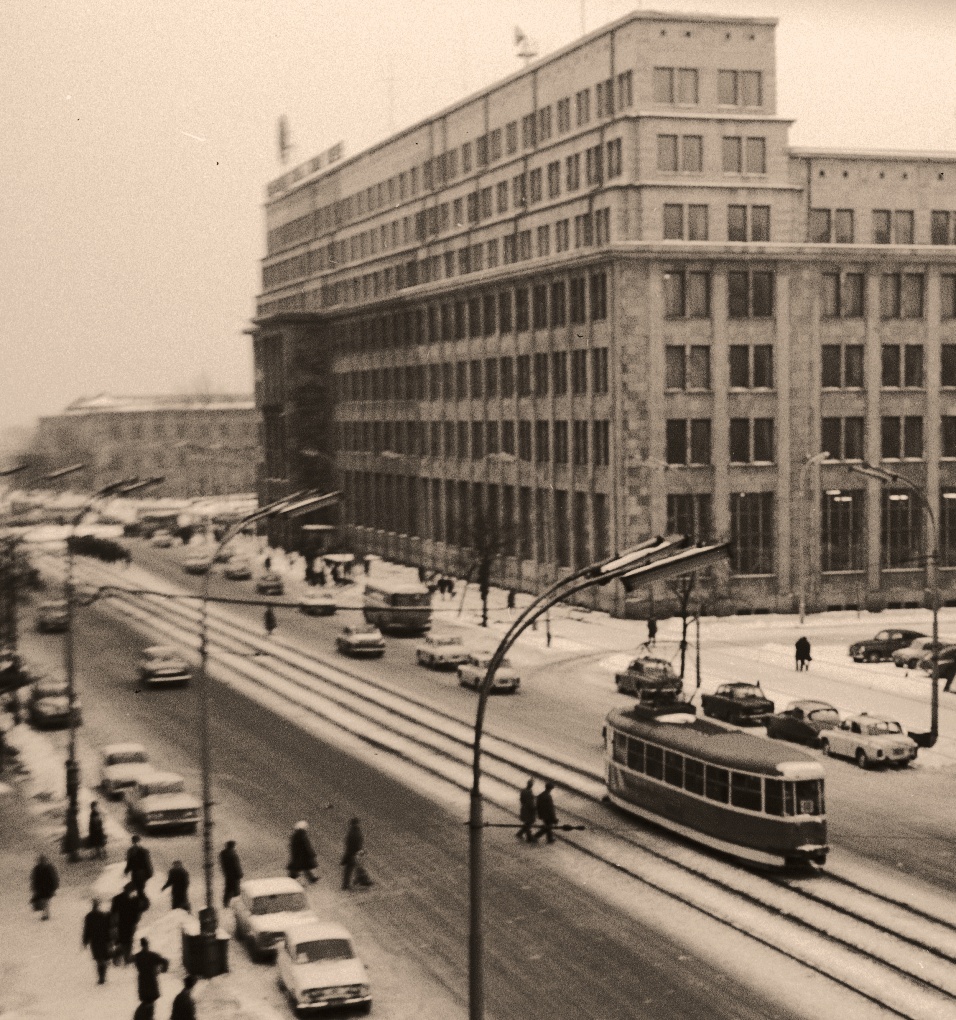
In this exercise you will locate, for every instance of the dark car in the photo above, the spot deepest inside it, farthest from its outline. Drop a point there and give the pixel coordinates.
(270, 584)
(651, 680)
(946, 659)
(52, 617)
(803, 721)
(49, 705)
(881, 647)
(738, 704)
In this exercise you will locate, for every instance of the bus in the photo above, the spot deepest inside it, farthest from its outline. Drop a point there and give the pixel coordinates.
(711, 783)
(399, 607)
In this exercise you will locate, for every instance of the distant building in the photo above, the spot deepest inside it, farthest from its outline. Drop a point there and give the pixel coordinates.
(605, 299)
(202, 445)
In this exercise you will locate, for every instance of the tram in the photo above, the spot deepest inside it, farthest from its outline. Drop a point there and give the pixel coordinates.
(399, 607)
(734, 792)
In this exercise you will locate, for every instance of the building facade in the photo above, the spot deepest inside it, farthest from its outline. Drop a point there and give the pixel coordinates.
(605, 299)
(201, 445)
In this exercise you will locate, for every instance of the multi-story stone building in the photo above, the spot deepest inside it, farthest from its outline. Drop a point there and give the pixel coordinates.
(201, 445)
(603, 299)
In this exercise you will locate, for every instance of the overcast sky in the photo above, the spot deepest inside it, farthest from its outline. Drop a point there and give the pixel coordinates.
(137, 138)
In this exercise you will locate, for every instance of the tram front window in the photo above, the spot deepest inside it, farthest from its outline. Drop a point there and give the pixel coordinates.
(809, 797)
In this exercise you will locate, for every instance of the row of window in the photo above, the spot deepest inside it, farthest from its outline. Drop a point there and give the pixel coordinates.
(890, 226)
(583, 441)
(525, 375)
(691, 223)
(750, 441)
(681, 86)
(685, 154)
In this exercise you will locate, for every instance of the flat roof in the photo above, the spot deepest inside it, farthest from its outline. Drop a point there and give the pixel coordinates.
(891, 154)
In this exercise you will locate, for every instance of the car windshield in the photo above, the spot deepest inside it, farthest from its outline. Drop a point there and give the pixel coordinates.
(126, 758)
(745, 693)
(53, 607)
(364, 631)
(172, 786)
(162, 653)
(279, 903)
(445, 642)
(882, 727)
(824, 715)
(323, 949)
(882, 636)
(50, 689)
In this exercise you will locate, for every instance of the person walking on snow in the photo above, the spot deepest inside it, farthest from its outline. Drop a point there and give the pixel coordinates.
(528, 811)
(354, 845)
(44, 882)
(546, 813)
(183, 1006)
(177, 882)
(269, 621)
(231, 871)
(96, 833)
(302, 859)
(149, 965)
(802, 649)
(96, 937)
(126, 908)
(139, 866)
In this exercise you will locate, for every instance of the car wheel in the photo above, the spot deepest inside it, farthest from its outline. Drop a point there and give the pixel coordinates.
(861, 759)
(825, 748)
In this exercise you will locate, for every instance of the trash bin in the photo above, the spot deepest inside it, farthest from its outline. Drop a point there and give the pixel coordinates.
(205, 953)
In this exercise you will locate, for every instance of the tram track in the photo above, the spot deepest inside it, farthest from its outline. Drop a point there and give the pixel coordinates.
(895, 953)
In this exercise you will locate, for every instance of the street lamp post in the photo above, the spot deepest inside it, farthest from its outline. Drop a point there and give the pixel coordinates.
(804, 524)
(932, 578)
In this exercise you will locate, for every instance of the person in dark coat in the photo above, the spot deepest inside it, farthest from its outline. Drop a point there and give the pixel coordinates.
(651, 630)
(149, 965)
(802, 649)
(96, 832)
(44, 882)
(145, 1011)
(96, 937)
(512, 598)
(546, 813)
(177, 882)
(231, 871)
(269, 620)
(528, 811)
(139, 865)
(354, 845)
(126, 908)
(183, 1006)
(302, 859)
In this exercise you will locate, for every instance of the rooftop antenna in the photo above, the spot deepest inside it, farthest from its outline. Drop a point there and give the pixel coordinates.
(282, 139)
(527, 47)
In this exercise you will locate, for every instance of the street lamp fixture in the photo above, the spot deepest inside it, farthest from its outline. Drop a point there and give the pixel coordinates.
(817, 458)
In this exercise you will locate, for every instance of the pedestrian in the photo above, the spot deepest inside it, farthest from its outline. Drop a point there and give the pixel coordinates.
(528, 811)
(302, 859)
(546, 813)
(231, 871)
(802, 648)
(126, 909)
(512, 597)
(421, 574)
(96, 937)
(450, 586)
(183, 1006)
(96, 833)
(177, 882)
(651, 631)
(309, 574)
(44, 882)
(320, 576)
(145, 1011)
(268, 563)
(269, 621)
(367, 563)
(354, 845)
(139, 867)
(149, 965)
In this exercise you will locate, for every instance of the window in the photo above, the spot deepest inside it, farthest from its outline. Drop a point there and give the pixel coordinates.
(541, 374)
(760, 223)
(736, 223)
(737, 219)
(605, 98)
(746, 791)
(504, 314)
(947, 296)
(522, 319)
(902, 366)
(687, 295)
(901, 532)
(524, 375)
(544, 241)
(901, 438)
(753, 532)
(475, 380)
(511, 137)
(562, 235)
(844, 226)
(539, 306)
(560, 442)
(751, 88)
(598, 288)
(663, 85)
(842, 295)
(579, 372)
(559, 373)
(690, 514)
(529, 132)
(594, 165)
(625, 90)
(820, 226)
(583, 231)
(740, 88)
(687, 86)
(508, 437)
(673, 222)
(524, 440)
(692, 153)
(572, 171)
(494, 143)
(842, 534)
(697, 228)
(901, 295)
(939, 230)
(842, 438)
(578, 309)
(903, 227)
(881, 226)
(718, 784)
(752, 441)
(750, 295)
(948, 365)
(582, 102)
(751, 366)
(687, 367)
(544, 123)
(601, 438)
(756, 155)
(732, 155)
(501, 194)
(491, 377)
(564, 115)
(688, 441)
(842, 366)
(599, 376)
(542, 435)
(602, 226)
(947, 527)
(558, 306)
(667, 153)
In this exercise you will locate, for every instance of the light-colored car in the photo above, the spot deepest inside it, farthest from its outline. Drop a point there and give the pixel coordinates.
(870, 740)
(121, 767)
(238, 569)
(910, 656)
(317, 603)
(160, 801)
(270, 584)
(472, 672)
(163, 664)
(362, 639)
(264, 908)
(161, 539)
(441, 651)
(49, 705)
(319, 969)
(197, 563)
(52, 617)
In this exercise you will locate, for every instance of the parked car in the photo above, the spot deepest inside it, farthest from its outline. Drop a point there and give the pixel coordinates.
(49, 705)
(883, 645)
(163, 664)
(52, 617)
(318, 968)
(121, 767)
(264, 908)
(362, 639)
(270, 584)
(441, 651)
(317, 603)
(161, 539)
(803, 722)
(910, 656)
(651, 679)
(870, 740)
(473, 670)
(160, 801)
(946, 660)
(197, 563)
(238, 569)
(738, 703)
